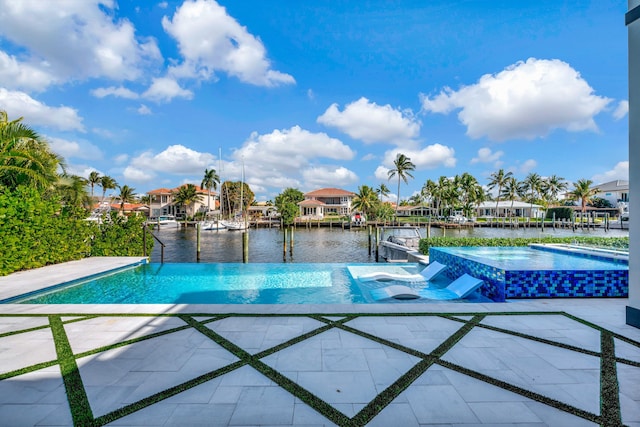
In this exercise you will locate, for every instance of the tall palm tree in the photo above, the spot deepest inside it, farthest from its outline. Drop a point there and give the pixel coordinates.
(532, 186)
(402, 168)
(553, 186)
(94, 178)
(584, 192)
(107, 183)
(366, 200)
(210, 180)
(469, 192)
(126, 196)
(498, 179)
(25, 157)
(511, 190)
(186, 196)
(382, 191)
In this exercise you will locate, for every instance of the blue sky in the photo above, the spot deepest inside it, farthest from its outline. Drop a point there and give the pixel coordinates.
(312, 94)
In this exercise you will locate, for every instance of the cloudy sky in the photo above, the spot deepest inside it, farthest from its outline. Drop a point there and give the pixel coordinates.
(322, 93)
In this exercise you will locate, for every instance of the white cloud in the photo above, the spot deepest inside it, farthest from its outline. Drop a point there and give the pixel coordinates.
(370, 122)
(382, 173)
(485, 155)
(134, 174)
(310, 94)
(121, 158)
(143, 110)
(72, 40)
(210, 40)
(527, 166)
(19, 104)
(328, 176)
(75, 149)
(526, 100)
(619, 171)
(278, 159)
(118, 92)
(23, 76)
(430, 157)
(621, 110)
(163, 5)
(164, 89)
(174, 160)
(291, 149)
(368, 157)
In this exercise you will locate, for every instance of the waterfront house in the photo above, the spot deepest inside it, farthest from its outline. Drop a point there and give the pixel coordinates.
(162, 203)
(318, 203)
(615, 192)
(506, 208)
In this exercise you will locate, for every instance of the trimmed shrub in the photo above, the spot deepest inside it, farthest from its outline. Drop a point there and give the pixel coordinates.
(561, 213)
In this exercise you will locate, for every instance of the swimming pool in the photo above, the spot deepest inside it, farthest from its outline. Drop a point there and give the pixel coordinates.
(530, 272)
(222, 283)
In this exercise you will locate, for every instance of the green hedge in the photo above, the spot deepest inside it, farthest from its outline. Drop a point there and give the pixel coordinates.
(36, 231)
(603, 242)
(560, 213)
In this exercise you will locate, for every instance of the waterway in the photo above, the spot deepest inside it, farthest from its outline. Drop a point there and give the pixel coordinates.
(314, 245)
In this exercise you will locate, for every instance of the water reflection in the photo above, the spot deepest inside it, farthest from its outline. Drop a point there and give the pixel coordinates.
(314, 245)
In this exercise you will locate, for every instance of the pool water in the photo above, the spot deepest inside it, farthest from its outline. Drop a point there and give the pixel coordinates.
(223, 283)
(525, 258)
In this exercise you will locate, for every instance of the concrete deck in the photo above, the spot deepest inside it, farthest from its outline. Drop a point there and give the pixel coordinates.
(534, 363)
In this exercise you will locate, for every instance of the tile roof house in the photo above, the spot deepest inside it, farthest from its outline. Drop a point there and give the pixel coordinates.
(162, 203)
(318, 203)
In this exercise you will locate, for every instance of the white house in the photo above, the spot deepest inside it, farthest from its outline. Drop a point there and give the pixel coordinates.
(318, 203)
(506, 209)
(616, 192)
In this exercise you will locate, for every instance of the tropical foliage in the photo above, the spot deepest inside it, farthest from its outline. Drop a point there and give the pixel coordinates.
(583, 191)
(210, 181)
(287, 204)
(235, 197)
(402, 168)
(186, 196)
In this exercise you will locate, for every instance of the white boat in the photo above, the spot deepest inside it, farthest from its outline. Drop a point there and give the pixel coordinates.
(234, 225)
(165, 220)
(212, 225)
(396, 241)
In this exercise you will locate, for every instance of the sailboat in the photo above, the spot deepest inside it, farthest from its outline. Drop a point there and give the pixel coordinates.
(239, 222)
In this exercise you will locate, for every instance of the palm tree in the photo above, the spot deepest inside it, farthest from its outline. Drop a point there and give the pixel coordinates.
(532, 185)
(73, 191)
(366, 200)
(25, 157)
(470, 192)
(107, 183)
(511, 190)
(94, 178)
(382, 191)
(402, 168)
(582, 191)
(553, 186)
(186, 196)
(126, 196)
(498, 179)
(210, 180)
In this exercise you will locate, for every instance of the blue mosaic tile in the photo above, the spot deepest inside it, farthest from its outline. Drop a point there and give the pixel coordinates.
(500, 284)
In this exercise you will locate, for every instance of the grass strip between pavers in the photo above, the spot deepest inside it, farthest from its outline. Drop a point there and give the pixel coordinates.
(76, 394)
(609, 392)
(82, 415)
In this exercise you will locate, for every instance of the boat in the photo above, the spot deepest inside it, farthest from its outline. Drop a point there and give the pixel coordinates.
(358, 220)
(165, 220)
(234, 225)
(397, 241)
(212, 225)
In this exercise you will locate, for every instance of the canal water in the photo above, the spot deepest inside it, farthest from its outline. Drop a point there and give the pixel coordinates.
(313, 245)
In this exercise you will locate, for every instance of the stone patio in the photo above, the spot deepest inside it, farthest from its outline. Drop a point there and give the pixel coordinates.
(530, 363)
